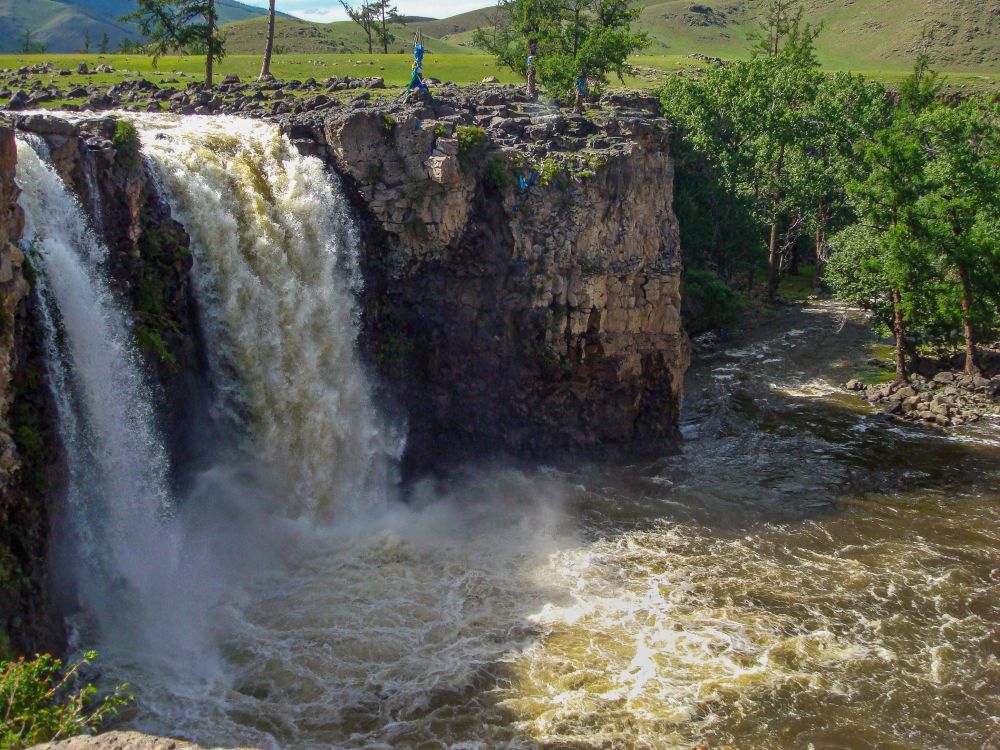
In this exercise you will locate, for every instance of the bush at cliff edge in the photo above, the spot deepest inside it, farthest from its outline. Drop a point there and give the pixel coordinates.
(41, 701)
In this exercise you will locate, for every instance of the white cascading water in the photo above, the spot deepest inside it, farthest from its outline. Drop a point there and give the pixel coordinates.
(117, 484)
(275, 257)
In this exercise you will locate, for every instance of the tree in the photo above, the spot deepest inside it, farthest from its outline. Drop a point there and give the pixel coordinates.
(86, 41)
(847, 111)
(781, 28)
(171, 25)
(102, 46)
(29, 46)
(886, 200)
(514, 35)
(385, 14)
(959, 207)
(364, 16)
(573, 43)
(265, 67)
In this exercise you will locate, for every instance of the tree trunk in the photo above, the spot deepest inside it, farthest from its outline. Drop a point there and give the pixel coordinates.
(971, 356)
(265, 68)
(578, 102)
(772, 251)
(532, 49)
(209, 37)
(899, 331)
(772, 266)
(818, 270)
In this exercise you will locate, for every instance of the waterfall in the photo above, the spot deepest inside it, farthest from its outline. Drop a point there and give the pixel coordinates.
(274, 265)
(117, 483)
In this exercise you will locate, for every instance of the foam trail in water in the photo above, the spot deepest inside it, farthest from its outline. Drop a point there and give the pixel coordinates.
(118, 469)
(274, 251)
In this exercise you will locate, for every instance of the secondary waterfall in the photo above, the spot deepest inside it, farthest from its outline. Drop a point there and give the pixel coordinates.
(117, 467)
(275, 258)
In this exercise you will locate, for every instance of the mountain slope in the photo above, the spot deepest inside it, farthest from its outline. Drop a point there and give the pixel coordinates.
(62, 24)
(292, 35)
(858, 34)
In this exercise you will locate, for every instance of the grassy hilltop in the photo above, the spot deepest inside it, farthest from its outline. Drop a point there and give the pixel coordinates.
(865, 35)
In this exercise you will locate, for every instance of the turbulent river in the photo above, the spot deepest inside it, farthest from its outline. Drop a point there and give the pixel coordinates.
(802, 573)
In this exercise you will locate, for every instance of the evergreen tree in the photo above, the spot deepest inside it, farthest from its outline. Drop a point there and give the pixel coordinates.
(959, 208)
(574, 44)
(102, 46)
(364, 15)
(172, 25)
(385, 14)
(28, 45)
(86, 41)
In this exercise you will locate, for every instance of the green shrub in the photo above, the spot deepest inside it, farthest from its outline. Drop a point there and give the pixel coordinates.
(470, 139)
(708, 302)
(126, 143)
(388, 125)
(41, 701)
(495, 175)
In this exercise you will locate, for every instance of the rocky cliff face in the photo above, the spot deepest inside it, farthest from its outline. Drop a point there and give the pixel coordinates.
(535, 319)
(24, 435)
(520, 290)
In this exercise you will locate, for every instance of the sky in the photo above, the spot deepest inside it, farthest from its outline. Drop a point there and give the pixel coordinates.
(325, 11)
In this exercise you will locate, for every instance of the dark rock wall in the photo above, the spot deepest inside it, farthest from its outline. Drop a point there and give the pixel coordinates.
(537, 322)
(26, 437)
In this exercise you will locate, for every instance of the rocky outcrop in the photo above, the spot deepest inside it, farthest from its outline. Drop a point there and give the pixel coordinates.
(119, 741)
(13, 290)
(946, 399)
(539, 317)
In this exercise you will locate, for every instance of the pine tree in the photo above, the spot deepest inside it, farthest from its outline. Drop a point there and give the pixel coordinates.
(364, 15)
(172, 25)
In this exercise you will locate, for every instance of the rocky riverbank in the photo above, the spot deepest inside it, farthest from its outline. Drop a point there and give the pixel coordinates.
(944, 397)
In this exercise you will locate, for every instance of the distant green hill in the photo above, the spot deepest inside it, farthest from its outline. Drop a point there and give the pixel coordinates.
(294, 36)
(62, 24)
(875, 35)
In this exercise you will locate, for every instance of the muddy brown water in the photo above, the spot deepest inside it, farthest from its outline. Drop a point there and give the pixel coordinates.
(805, 573)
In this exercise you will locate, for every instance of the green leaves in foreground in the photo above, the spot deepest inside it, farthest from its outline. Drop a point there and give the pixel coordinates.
(41, 701)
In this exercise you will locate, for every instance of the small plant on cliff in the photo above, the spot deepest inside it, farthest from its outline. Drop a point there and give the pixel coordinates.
(41, 701)
(496, 175)
(470, 139)
(388, 125)
(126, 143)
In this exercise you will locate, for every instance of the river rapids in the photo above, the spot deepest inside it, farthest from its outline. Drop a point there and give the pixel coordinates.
(803, 573)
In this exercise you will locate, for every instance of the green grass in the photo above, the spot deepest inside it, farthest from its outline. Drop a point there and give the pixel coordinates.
(395, 69)
(293, 36)
(797, 288)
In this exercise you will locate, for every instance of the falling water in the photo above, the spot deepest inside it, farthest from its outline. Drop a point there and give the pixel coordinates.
(118, 470)
(275, 259)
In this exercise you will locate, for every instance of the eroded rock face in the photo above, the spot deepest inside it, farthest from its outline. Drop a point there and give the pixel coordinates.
(24, 438)
(536, 320)
(13, 290)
